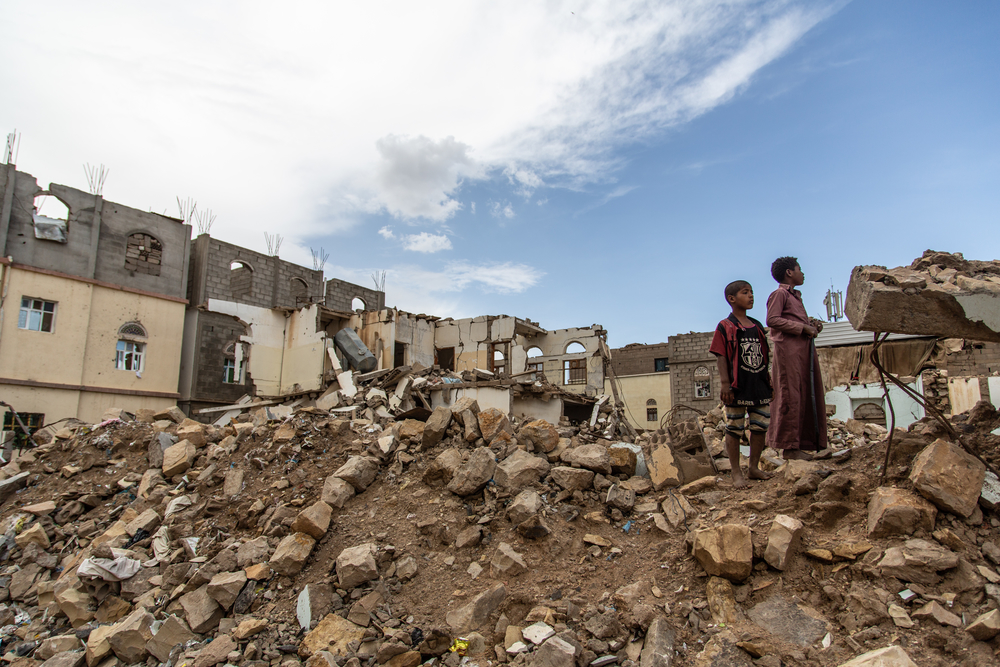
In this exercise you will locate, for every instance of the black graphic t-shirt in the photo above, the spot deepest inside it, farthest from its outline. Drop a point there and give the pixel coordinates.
(753, 383)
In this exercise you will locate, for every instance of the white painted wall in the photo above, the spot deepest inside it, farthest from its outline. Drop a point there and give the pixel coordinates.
(963, 393)
(847, 397)
(994, 385)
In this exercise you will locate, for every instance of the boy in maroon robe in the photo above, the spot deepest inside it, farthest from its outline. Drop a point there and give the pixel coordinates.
(798, 412)
(740, 345)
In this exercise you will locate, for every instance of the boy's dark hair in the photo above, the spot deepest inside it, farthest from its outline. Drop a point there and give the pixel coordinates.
(733, 288)
(781, 265)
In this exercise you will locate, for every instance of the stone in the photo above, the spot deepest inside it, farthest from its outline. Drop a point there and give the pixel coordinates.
(722, 601)
(677, 509)
(592, 457)
(935, 612)
(443, 467)
(890, 656)
(782, 541)
(173, 413)
(524, 506)
(572, 479)
(290, 556)
(536, 633)
(178, 458)
(359, 472)
(506, 562)
(129, 636)
(248, 627)
(791, 622)
(98, 647)
(620, 497)
(356, 565)
(519, 470)
(54, 645)
(40, 509)
(469, 537)
(336, 492)
(201, 611)
(408, 659)
(233, 484)
(173, 631)
(605, 625)
(474, 474)
(216, 651)
(470, 421)
(663, 470)
(314, 520)
(64, 659)
(492, 422)
(986, 626)
(463, 405)
(73, 600)
(917, 561)
(406, 568)
(225, 587)
(193, 433)
(725, 551)
(436, 426)
(949, 477)
(284, 433)
(899, 617)
(477, 611)
(555, 652)
(333, 634)
(411, 429)
(534, 528)
(258, 572)
(893, 511)
(624, 461)
(542, 435)
(33, 535)
(148, 521)
(658, 649)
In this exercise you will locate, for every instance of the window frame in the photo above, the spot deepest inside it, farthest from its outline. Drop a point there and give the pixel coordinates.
(572, 370)
(663, 367)
(123, 356)
(229, 364)
(652, 414)
(24, 314)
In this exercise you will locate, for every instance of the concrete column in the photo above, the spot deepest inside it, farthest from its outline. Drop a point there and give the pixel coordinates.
(10, 177)
(95, 237)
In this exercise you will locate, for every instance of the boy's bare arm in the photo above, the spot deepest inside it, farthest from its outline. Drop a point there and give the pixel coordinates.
(726, 392)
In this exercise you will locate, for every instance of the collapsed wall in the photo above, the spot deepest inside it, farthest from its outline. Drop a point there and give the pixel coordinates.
(939, 294)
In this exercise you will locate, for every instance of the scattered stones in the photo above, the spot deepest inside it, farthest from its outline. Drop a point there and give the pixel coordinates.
(336, 492)
(436, 426)
(519, 470)
(356, 565)
(474, 474)
(477, 611)
(572, 479)
(890, 656)
(542, 435)
(935, 612)
(178, 458)
(917, 561)
(986, 626)
(359, 472)
(893, 511)
(314, 520)
(291, 554)
(591, 457)
(658, 649)
(333, 634)
(525, 505)
(782, 541)
(506, 562)
(726, 551)
(949, 477)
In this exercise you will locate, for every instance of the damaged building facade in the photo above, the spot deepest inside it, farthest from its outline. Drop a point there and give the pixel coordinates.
(642, 374)
(92, 303)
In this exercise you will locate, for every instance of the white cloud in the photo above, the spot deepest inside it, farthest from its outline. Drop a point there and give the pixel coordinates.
(501, 209)
(428, 243)
(524, 180)
(472, 208)
(386, 233)
(417, 176)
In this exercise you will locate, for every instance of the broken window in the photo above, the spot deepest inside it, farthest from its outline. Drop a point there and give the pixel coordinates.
(300, 292)
(358, 304)
(398, 354)
(129, 356)
(36, 315)
(498, 358)
(574, 371)
(537, 367)
(446, 358)
(660, 365)
(31, 421)
(144, 254)
(575, 348)
(50, 218)
(651, 410)
(240, 279)
(702, 382)
(232, 372)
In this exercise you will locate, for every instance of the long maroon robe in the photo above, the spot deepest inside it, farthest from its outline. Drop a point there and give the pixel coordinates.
(793, 424)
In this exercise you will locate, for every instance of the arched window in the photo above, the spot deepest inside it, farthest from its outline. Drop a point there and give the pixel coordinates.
(651, 414)
(232, 369)
(50, 218)
(240, 279)
(130, 352)
(575, 347)
(144, 254)
(358, 304)
(702, 382)
(300, 292)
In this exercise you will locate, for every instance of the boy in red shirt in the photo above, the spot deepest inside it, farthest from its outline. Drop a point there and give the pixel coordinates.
(740, 347)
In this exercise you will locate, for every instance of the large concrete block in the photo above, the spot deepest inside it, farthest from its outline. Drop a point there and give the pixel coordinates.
(893, 511)
(949, 477)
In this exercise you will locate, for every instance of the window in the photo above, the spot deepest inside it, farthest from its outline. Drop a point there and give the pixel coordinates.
(498, 358)
(398, 354)
(31, 420)
(536, 366)
(702, 382)
(50, 218)
(240, 279)
(36, 314)
(232, 372)
(574, 371)
(143, 254)
(129, 356)
(358, 303)
(446, 358)
(661, 365)
(300, 291)
(651, 415)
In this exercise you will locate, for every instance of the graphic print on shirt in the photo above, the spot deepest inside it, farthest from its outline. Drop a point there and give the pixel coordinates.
(751, 354)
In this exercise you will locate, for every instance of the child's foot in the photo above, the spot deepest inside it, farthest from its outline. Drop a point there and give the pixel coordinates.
(789, 454)
(757, 473)
(739, 481)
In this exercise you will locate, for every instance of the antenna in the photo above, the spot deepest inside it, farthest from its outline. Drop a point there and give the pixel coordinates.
(319, 258)
(95, 178)
(204, 219)
(186, 209)
(379, 278)
(13, 146)
(834, 302)
(273, 243)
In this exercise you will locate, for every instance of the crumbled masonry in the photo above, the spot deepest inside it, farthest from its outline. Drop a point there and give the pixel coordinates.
(293, 536)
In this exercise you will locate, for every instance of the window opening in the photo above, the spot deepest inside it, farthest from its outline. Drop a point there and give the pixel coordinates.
(232, 372)
(574, 371)
(240, 279)
(129, 356)
(300, 291)
(446, 358)
(31, 420)
(702, 382)
(36, 315)
(398, 354)
(575, 348)
(144, 254)
(661, 365)
(870, 413)
(50, 218)
(132, 330)
(498, 358)
(651, 415)
(534, 352)
(358, 304)
(537, 367)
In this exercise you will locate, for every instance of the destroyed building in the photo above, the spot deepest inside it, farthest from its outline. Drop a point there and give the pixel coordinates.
(92, 303)
(643, 377)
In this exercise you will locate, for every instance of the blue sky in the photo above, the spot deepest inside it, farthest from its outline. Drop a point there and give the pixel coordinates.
(573, 163)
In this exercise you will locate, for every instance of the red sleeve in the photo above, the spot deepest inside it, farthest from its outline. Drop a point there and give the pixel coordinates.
(718, 346)
(776, 314)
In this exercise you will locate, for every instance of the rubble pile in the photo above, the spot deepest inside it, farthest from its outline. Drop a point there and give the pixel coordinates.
(939, 294)
(293, 536)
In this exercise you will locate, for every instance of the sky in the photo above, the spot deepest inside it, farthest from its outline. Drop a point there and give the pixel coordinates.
(569, 162)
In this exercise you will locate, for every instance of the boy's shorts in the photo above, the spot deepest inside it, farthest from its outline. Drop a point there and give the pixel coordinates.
(760, 418)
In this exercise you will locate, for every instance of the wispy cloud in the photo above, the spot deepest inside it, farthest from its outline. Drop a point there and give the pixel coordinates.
(620, 191)
(427, 243)
(386, 233)
(502, 210)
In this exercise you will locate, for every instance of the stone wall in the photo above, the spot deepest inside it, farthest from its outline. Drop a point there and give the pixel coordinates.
(215, 333)
(638, 359)
(340, 294)
(687, 353)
